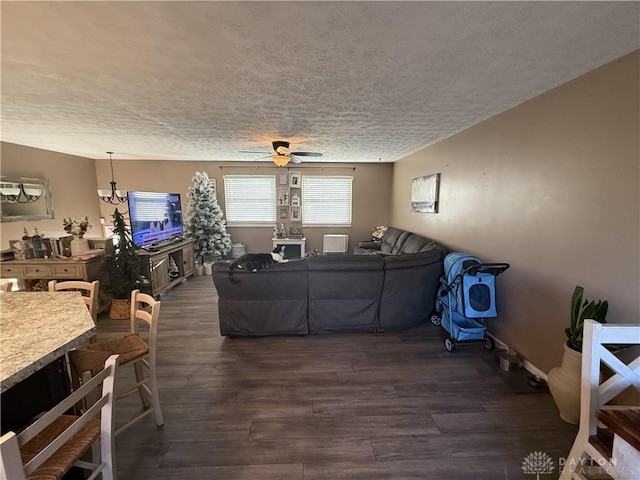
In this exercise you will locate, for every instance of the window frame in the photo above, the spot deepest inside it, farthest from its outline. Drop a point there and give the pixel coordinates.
(267, 205)
(305, 201)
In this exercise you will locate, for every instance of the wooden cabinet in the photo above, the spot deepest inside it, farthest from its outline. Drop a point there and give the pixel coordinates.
(167, 266)
(56, 269)
(158, 273)
(188, 260)
(50, 268)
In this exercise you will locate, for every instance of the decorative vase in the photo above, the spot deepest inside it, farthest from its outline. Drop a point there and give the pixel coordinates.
(564, 384)
(78, 245)
(120, 309)
(199, 270)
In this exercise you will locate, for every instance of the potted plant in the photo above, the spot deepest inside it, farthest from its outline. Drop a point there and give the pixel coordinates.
(123, 270)
(564, 381)
(77, 228)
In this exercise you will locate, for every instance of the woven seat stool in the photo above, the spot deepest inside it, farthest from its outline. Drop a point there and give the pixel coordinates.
(89, 357)
(131, 349)
(49, 447)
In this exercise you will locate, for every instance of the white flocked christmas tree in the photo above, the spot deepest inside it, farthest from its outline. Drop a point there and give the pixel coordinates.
(205, 220)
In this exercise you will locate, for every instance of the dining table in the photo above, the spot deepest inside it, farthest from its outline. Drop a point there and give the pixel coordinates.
(37, 330)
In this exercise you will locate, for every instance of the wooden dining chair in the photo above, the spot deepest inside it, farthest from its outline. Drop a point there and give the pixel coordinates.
(48, 448)
(89, 292)
(85, 361)
(594, 444)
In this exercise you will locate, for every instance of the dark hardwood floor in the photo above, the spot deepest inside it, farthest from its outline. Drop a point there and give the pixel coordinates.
(349, 406)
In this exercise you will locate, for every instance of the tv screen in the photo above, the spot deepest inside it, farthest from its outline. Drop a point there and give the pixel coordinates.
(155, 217)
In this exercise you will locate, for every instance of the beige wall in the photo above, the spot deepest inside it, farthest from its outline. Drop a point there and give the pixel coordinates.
(73, 186)
(72, 181)
(551, 187)
(371, 192)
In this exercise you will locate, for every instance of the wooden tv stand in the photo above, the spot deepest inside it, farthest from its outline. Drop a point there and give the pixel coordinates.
(156, 265)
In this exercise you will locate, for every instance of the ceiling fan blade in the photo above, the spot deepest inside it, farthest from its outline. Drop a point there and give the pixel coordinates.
(307, 154)
(253, 152)
(295, 159)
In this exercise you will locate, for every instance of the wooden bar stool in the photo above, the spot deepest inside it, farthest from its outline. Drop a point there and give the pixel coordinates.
(85, 361)
(593, 443)
(49, 447)
(89, 292)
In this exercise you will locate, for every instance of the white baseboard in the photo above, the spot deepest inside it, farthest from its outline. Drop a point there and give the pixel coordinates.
(526, 364)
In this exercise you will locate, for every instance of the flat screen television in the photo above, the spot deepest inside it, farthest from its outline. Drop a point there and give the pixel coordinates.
(155, 217)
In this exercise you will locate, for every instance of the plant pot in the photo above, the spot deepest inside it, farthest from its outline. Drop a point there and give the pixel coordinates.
(78, 245)
(564, 384)
(120, 309)
(208, 268)
(199, 270)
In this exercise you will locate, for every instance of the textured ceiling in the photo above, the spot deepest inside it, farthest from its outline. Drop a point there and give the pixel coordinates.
(358, 81)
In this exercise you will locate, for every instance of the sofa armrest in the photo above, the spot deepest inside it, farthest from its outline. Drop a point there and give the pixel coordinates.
(369, 244)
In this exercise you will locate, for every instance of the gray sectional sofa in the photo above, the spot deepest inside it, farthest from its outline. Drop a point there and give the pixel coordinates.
(363, 292)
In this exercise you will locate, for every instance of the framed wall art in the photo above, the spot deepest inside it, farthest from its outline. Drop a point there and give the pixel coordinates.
(295, 214)
(294, 179)
(283, 196)
(424, 193)
(283, 213)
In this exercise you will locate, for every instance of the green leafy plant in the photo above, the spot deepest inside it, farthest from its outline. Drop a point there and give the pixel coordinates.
(580, 311)
(123, 266)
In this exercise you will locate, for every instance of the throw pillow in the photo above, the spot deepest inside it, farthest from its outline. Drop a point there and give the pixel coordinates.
(378, 232)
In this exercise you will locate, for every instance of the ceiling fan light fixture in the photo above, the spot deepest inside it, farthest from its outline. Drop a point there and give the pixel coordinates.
(280, 160)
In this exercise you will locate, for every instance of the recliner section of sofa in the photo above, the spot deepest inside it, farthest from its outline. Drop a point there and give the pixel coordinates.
(409, 289)
(266, 302)
(344, 293)
(396, 241)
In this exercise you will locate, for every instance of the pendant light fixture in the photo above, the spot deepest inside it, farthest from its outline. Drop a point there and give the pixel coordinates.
(12, 192)
(114, 197)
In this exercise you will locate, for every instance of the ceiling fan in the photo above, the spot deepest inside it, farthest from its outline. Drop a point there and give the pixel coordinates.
(282, 155)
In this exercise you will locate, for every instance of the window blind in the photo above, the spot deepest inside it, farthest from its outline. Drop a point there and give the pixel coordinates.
(326, 201)
(250, 199)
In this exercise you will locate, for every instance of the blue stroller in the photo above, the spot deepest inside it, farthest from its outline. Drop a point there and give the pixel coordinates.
(467, 292)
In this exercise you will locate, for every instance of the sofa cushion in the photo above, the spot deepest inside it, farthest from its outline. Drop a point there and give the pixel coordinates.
(267, 302)
(392, 240)
(410, 286)
(344, 293)
(417, 243)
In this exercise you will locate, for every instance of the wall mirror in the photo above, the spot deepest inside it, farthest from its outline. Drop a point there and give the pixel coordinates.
(24, 198)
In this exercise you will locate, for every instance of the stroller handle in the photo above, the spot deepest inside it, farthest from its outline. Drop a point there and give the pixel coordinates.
(490, 268)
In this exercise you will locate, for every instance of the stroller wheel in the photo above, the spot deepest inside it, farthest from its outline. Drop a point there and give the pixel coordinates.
(435, 319)
(449, 344)
(488, 343)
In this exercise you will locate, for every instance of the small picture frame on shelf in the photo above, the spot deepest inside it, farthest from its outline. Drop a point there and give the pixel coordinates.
(295, 214)
(283, 196)
(282, 179)
(294, 179)
(283, 213)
